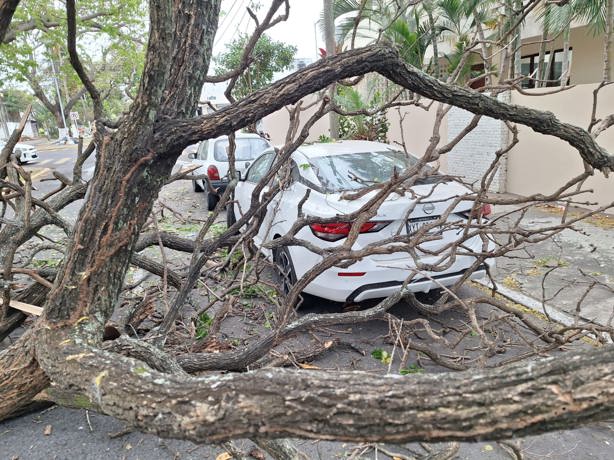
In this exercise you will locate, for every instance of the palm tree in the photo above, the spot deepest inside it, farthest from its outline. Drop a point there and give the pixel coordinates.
(328, 22)
(557, 19)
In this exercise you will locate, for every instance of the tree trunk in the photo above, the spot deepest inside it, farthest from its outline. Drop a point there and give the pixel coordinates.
(7, 9)
(608, 42)
(541, 60)
(565, 65)
(331, 49)
(428, 7)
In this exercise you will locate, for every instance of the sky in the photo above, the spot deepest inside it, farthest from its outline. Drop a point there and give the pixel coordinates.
(299, 30)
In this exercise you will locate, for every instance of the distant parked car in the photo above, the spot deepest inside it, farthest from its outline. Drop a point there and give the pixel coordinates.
(327, 171)
(25, 153)
(212, 154)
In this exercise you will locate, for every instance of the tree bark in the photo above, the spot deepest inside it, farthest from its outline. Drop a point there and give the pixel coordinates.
(7, 9)
(21, 378)
(541, 60)
(179, 134)
(517, 400)
(331, 49)
(608, 41)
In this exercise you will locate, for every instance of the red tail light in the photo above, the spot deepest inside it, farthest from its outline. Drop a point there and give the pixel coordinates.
(213, 173)
(483, 211)
(335, 231)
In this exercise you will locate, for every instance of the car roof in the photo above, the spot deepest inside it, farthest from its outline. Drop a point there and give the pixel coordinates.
(325, 149)
(242, 136)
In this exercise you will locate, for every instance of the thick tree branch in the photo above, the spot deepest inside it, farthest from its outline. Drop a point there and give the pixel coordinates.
(74, 99)
(517, 400)
(7, 9)
(76, 62)
(181, 133)
(44, 23)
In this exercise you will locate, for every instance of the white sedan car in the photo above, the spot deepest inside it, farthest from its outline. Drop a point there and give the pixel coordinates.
(331, 170)
(212, 155)
(25, 153)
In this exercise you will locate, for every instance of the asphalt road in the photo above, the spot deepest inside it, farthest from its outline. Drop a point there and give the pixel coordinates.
(53, 157)
(61, 433)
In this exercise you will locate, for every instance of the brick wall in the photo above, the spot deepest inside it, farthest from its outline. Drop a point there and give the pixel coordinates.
(474, 154)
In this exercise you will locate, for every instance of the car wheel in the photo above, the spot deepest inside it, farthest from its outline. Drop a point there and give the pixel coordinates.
(284, 269)
(197, 187)
(230, 215)
(212, 200)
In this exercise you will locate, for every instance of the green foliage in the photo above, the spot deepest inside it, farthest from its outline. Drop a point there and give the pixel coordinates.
(114, 62)
(411, 369)
(185, 229)
(323, 139)
(382, 355)
(217, 229)
(268, 57)
(236, 257)
(15, 101)
(256, 290)
(558, 17)
(52, 263)
(203, 324)
(363, 127)
(411, 44)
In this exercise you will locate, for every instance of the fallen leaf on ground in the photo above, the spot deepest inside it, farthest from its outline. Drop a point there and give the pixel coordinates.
(48, 429)
(223, 456)
(308, 366)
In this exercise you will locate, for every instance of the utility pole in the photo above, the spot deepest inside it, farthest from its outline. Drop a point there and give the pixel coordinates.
(59, 95)
(4, 134)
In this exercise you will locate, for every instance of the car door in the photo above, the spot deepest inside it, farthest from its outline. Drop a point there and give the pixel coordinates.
(243, 192)
(201, 157)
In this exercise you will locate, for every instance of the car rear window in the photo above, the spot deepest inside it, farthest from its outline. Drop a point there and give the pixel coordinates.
(352, 171)
(247, 149)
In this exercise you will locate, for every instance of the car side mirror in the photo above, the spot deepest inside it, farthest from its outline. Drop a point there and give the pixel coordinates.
(192, 155)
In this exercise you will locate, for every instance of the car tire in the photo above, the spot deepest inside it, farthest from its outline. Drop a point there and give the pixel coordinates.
(284, 269)
(231, 219)
(212, 200)
(197, 188)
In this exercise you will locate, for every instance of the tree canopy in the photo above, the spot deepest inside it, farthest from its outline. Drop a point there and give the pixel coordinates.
(268, 57)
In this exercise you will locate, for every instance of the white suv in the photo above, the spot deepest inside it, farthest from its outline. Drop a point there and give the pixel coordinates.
(25, 153)
(212, 154)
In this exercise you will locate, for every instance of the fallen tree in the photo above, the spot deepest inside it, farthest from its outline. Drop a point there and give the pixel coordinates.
(62, 351)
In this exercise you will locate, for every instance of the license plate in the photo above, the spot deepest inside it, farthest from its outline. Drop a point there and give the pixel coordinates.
(413, 225)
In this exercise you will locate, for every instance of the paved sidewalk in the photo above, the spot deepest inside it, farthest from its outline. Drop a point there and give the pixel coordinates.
(572, 273)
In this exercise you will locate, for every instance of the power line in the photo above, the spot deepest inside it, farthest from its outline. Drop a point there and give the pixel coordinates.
(244, 4)
(227, 15)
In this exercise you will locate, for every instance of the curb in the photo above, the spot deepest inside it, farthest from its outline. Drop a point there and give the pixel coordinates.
(559, 316)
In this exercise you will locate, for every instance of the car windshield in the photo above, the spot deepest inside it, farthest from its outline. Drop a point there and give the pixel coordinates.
(247, 149)
(353, 171)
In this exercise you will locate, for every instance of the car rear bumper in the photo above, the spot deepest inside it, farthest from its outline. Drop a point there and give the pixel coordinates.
(28, 155)
(381, 281)
(218, 185)
(380, 290)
